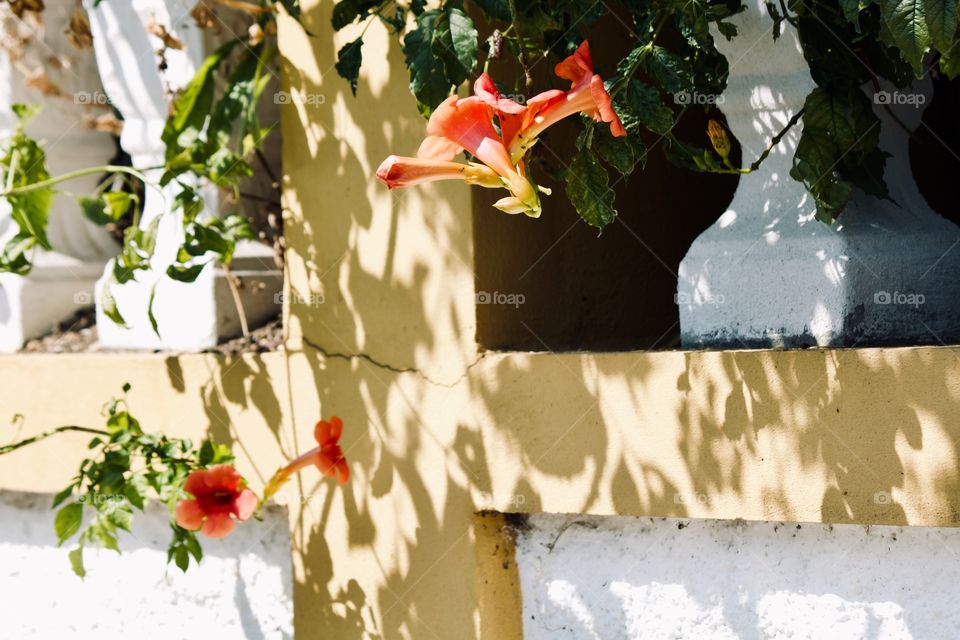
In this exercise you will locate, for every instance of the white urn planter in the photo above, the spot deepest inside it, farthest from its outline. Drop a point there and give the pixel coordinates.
(190, 316)
(767, 273)
(63, 81)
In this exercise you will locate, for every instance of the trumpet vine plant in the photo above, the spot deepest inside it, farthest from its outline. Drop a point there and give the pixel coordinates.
(631, 105)
(202, 490)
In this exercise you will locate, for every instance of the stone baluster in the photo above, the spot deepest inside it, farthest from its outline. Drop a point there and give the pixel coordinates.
(38, 65)
(767, 273)
(190, 316)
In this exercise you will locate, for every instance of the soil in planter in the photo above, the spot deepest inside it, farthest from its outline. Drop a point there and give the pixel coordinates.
(78, 334)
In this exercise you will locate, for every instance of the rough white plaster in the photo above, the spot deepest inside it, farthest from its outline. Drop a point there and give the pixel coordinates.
(618, 577)
(241, 589)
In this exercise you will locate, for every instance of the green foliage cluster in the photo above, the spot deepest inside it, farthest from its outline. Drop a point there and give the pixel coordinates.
(851, 45)
(126, 468)
(211, 135)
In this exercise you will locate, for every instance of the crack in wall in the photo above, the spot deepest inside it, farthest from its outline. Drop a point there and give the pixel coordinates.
(336, 355)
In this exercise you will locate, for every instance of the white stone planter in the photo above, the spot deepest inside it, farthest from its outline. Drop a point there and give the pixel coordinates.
(768, 274)
(191, 316)
(63, 280)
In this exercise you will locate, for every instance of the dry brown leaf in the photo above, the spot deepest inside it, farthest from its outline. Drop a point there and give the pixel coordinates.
(19, 7)
(154, 28)
(205, 17)
(78, 31)
(39, 80)
(107, 122)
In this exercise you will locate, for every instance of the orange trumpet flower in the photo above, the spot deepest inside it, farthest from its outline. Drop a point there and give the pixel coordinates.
(468, 124)
(457, 125)
(218, 493)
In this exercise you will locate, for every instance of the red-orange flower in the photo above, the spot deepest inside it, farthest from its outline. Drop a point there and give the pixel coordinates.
(587, 95)
(457, 125)
(468, 124)
(218, 493)
(327, 456)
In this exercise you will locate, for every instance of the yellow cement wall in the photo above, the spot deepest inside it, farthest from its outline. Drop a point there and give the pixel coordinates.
(401, 551)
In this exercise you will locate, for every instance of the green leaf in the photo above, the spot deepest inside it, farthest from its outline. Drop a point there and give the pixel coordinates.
(428, 82)
(109, 304)
(495, 9)
(76, 562)
(589, 191)
(845, 114)
(455, 43)
(641, 106)
(941, 16)
(213, 453)
(621, 153)
(349, 59)
(133, 491)
(14, 256)
(187, 274)
(67, 522)
(346, 12)
(193, 546)
(950, 65)
(25, 112)
(181, 558)
(907, 23)
(814, 164)
(236, 109)
(109, 208)
(672, 73)
(120, 516)
(24, 164)
(192, 108)
(102, 532)
(63, 495)
(190, 202)
(851, 11)
(150, 315)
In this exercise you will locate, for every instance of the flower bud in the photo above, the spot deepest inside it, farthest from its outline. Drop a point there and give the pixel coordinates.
(718, 138)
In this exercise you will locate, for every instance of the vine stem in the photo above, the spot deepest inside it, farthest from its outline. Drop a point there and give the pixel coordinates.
(46, 434)
(73, 175)
(775, 141)
(235, 292)
(515, 24)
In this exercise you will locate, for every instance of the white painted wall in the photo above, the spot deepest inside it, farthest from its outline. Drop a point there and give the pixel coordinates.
(242, 589)
(619, 577)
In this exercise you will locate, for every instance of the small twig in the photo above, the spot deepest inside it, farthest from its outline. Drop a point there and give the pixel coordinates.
(16, 445)
(515, 23)
(255, 197)
(235, 292)
(266, 167)
(775, 141)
